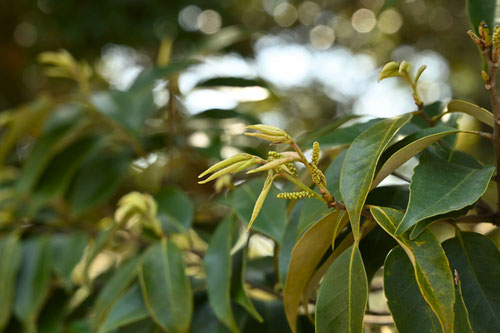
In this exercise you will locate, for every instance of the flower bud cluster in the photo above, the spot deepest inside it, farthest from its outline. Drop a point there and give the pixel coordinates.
(295, 195)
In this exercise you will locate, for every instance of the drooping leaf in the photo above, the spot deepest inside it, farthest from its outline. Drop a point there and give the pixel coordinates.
(33, 281)
(10, 260)
(408, 307)
(67, 250)
(272, 217)
(360, 162)
(477, 261)
(473, 110)
(400, 152)
(306, 255)
(175, 208)
(218, 273)
(439, 187)
(238, 288)
(165, 287)
(128, 309)
(114, 289)
(97, 180)
(343, 295)
(431, 266)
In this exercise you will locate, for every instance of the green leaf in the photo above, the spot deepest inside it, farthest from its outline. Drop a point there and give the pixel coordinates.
(115, 287)
(400, 152)
(238, 287)
(10, 260)
(477, 261)
(175, 208)
(332, 174)
(359, 165)
(231, 82)
(40, 156)
(431, 265)
(128, 309)
(312, 211)
(306, 255)
(343, 295)
(374, 248)
(218, 272)
(462, 322)
(165, 287)
(97, 180)
(344, 135)
(481, 10)
(33, 281)
(420, 226)
(67, 251)
(439, 187)
(58, 174)
(226, 114)
(308, 139)
(473, 110)
(408, 307)
(288, 241)
(272, 217)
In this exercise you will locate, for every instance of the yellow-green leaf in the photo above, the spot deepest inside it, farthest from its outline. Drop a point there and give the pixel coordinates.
(473, 110)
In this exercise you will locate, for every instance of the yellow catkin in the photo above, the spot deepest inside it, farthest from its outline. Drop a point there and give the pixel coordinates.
(295, 195)
(315, 154)
(317, 176)
(496, 37)
(293, 170)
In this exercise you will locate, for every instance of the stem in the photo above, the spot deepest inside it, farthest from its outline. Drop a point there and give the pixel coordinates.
(418, 101)
(491, 86)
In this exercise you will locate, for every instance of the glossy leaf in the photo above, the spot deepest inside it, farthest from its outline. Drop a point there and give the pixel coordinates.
(422, 225)
(272, 217)
(97, 180)
(408, 307)
(360, 162)
(128, 309)
(473, 110)
(343, 295)
(477, 261)
(431, 266)
(10, 259)
(175, 208)
(114, 289)
(33, 281)
(332, 174)
(67, 251)
(306, 255)
(439, 187)
(165, 287)
(481, 10)
(218, 272)
(238, 284)
(400, 152)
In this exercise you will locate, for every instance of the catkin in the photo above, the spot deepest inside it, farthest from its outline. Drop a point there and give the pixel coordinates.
(295, 195)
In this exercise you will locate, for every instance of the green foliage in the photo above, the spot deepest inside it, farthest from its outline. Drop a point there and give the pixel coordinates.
(104, 226)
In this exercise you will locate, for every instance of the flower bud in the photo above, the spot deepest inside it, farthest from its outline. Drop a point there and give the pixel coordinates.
(391, 69)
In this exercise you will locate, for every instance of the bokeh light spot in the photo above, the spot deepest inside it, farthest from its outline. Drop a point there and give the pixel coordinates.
(322, 37)
(363, 20)
(285, 14)
(188, 18)
(209, 21)
(390, 21)
(307, 12)
(25, 34)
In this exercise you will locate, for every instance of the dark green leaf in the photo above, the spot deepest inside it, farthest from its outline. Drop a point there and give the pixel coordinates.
(481, 10)
(57, 176)
(420, 226)
(432, 269)
(231, 82)
(374, 248)
(332, 174)
(97, 180)
(462, 322)
(477, 261)
(288, 241)
(33, 281)
(67, 250)
(114, 290)
(165, 286)
(439, 187)
(128, 309)
(360, 162)
(10, 258)
(408, 307)
(272, 218)
(218, 272)
(343, 295)
(238, 287)
(226, 114)
(175, 208)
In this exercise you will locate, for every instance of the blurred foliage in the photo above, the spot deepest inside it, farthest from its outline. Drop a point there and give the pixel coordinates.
(100, 206)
